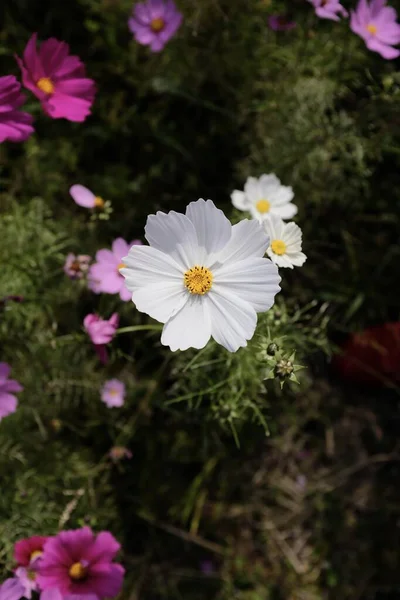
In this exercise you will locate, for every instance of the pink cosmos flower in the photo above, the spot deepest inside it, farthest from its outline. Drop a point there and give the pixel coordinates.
(57, 79)
(78, 564)
(104, 275)
(377, 24)
(76, 266)
(29, 549)
(15, 125)
(117, 453)
(154, 23)
(329, 9)
(8, 387)
(113, 393)
(280, 23)
(12, 589)
(101, 332)
(84, 197)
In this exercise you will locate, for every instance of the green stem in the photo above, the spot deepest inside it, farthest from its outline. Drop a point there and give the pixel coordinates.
(139, 328)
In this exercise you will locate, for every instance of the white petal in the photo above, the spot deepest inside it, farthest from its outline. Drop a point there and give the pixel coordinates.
(252, 189)
(233, 321)
(282, 195)
(270, 180)
(248, 239)
(281, 260)
(212, 227)
(274, 227)
(284, 211)
(174, 234)
(190, 327)
(161, 300)
(292, 236)
(239, 200)
(255, 280)
(146, 265)
(297, 258)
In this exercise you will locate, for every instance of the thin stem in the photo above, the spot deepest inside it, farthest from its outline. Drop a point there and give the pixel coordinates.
(139, 328)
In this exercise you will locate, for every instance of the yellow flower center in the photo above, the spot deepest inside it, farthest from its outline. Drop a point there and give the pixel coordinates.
(157, 25)
(121, 266)
(263, 206)
(198, 280)
(35, 554)
(372, 29)
(278, 247)
(77, 571)
(99, 202)
(45, 85)
(31, 574)
(113, 392)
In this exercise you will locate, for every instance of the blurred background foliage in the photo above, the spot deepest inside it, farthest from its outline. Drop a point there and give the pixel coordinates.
(236, 489)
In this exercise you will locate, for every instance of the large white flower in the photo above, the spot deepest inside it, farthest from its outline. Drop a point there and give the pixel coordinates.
(285, 243)
(265, 196)
(202, 277)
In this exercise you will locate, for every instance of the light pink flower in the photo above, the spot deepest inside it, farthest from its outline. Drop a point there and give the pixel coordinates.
(377, 24)
(104, 275)
(76, 266)
(329, 9)
(8, 387)
(84, 197)
(57, 79)
(15, 125)
(101, 332)
(155, 22)
(113, 393)
(78, 564)
(12, 589)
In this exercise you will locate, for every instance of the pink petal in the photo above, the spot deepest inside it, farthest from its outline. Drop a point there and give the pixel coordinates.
(8, 404)
(82, 196)
(106, 256)
(62, 106)
(104, 548)
(120, 248)
(52, 55)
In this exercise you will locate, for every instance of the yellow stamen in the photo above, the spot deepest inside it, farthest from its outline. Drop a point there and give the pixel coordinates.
(157, 25)
(198, 280)
(263, 206)
(45, 85)
(99, 202)
(278, 247)
(35, 554)
(372, 29)
(113, 392)
(77, 571)
(121, 266)
(31, 574)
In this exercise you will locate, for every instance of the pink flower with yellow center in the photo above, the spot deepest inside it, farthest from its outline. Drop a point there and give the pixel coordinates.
(377, 25)
(29, 549)
(57, 79)
(101, 332)
(113, 393)
(154, 23)
(85, 197)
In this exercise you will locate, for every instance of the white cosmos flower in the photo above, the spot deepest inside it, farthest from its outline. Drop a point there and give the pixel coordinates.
(285, 243)
(265, 196)
(202, 277)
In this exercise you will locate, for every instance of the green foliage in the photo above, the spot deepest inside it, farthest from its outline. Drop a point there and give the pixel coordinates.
(267, 472)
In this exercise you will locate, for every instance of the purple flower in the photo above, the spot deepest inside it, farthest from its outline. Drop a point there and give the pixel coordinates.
(57, 79)
(84, 197)
(104, 275)
(77, 565)
(76, 266)
(101, 332)
(12, 589)
(15, 125)
(113, 393)
(8, 387)
(154, 23)
(329, 9)
(280, 23)
(377, 24)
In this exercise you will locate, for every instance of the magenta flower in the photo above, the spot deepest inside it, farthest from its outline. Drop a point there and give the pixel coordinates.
(84, 197)
(101, 332)
(8, 387)
(154, 23)
(377, 24)
(104, 275)
(29, 549)
(79, 564)
(57, 79)
(280, 23)
(329, 9)
(15, 125)
(76, 266)
(113, 393)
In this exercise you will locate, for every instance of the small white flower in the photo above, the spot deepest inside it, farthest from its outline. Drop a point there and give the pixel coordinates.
(202, 277)
(285, 246)
(265, 196)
